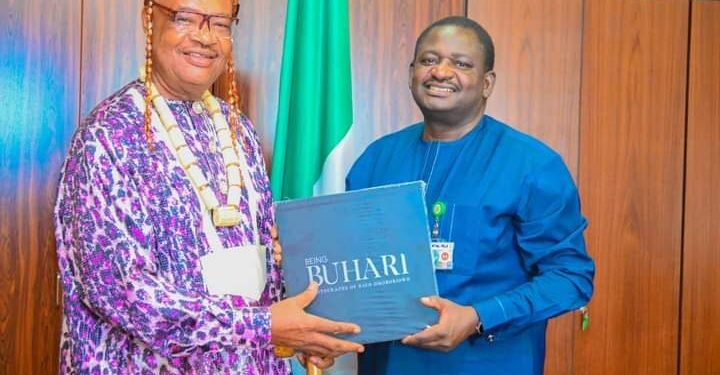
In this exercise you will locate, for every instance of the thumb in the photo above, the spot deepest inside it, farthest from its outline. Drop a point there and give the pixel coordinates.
(308, 295)
(433, 301)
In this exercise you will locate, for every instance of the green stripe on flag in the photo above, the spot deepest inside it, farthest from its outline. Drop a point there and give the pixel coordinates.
(315, 104)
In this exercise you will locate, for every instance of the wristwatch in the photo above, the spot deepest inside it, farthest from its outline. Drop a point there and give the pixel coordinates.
(479, 328)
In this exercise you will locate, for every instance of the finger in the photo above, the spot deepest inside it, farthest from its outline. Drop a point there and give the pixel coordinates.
(322, 362)
(277, 258)
(276, 248)
(411, 340)
(316, 350)
(427, 343)
(301, 358)
(308, 295)
(435, 302)
(319, 351)
(332, 327)
(277, 254)
(438, 346)
(333, 344)
(430, 334)
(274, 232)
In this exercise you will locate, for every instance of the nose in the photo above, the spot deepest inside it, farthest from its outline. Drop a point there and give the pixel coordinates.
(442, 71)
(203, 34)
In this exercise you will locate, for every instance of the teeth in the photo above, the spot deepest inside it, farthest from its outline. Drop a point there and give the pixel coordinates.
(441, 89)
(194, 54)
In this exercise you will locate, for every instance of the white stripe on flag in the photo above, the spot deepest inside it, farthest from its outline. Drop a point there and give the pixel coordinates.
(338, 163)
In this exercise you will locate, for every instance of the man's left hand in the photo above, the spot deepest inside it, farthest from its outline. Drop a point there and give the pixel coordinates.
(456, 323)
(276, 247)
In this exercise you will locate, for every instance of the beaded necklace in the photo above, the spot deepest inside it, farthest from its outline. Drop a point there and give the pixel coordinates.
(223, 215)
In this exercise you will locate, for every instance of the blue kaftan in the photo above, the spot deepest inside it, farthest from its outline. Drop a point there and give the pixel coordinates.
(514, 214)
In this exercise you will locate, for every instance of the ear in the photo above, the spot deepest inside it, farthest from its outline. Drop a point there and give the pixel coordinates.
(236, 8)
(411, 71)
(488, 83)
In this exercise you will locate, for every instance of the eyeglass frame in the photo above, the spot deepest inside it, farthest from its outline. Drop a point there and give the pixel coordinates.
(205, 18)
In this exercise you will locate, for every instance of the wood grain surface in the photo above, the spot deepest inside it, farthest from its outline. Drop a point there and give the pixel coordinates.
(112, 48)
(632, 133)
(383, 40)
(700, 328)
(39, 74)
(538, 51)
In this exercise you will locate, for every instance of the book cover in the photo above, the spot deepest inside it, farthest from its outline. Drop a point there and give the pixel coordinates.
(370, 252)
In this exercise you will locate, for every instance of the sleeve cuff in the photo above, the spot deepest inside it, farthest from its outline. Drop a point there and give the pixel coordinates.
(491, 312)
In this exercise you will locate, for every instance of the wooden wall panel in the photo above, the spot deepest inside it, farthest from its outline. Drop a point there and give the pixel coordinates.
(538, 49)
(258, 57)
(39, 68)
(631, 175)
(113, 48)
(700, 329)
(383, 37)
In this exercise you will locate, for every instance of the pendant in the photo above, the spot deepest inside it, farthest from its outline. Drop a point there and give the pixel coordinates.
(226, 216)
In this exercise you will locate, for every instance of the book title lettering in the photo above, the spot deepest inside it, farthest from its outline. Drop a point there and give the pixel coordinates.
(321, 270)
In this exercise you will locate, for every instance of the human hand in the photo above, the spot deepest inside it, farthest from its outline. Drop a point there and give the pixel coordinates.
(455, 324)
(276, 247)
(292, 327)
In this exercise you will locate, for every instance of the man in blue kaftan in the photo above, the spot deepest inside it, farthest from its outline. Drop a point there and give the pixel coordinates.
(504, 202)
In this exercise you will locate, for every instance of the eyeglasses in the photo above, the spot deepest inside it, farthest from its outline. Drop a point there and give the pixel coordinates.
(188, 21)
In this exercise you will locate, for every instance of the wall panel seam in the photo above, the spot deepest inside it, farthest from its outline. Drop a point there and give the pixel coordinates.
(683, 190)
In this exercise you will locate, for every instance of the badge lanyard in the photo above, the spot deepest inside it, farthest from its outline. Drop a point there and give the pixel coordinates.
(439, 204)
(443, 249)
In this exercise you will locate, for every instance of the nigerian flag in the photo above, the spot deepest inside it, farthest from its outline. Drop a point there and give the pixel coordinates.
(315, 107)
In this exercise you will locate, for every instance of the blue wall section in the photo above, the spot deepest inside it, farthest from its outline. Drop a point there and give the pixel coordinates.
(39, 100)
(39, 81)
(12, 64)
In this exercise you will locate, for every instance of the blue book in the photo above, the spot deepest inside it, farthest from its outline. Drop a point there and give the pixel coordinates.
(370, 252)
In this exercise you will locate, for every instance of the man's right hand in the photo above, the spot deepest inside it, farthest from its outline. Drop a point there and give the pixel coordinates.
(291, 326)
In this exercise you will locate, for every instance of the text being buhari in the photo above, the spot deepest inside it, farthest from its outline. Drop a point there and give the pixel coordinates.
(322, 271)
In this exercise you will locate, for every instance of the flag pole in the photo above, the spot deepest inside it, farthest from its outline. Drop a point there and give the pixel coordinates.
(313, 370)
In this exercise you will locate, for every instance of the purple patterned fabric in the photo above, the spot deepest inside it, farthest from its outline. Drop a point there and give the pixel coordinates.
(129, 238)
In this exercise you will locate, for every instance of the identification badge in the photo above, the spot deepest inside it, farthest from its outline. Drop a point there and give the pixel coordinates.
(238, 271)
(442, 254)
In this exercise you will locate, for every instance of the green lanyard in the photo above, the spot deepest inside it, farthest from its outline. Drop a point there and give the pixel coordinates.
(438, 210)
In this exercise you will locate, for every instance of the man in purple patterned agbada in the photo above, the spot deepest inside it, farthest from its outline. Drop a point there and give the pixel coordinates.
(164, 218)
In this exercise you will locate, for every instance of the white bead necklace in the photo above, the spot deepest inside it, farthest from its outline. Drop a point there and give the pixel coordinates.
(222, 215)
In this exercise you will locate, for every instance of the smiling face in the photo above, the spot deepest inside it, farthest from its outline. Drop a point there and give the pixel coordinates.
(447, 77)
(187, 62)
